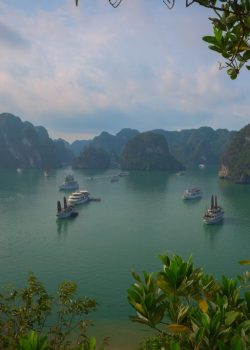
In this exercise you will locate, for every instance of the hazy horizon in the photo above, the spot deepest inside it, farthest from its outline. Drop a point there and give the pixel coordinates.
(81, 70)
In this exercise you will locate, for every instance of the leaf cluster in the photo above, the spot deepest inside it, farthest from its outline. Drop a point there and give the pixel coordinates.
(31, 319)
(190, 309)
(231, 33)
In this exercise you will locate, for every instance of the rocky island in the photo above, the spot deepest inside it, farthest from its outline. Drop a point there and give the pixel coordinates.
(92, 158)
(149, 151)
(24, 145)
(235, 164)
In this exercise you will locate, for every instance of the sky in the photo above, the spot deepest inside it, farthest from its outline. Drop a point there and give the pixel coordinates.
(81, 70)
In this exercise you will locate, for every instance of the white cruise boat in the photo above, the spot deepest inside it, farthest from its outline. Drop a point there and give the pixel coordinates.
(65, 212)
(214, 214)
(78, 198)
(192, 193)
(69, 184)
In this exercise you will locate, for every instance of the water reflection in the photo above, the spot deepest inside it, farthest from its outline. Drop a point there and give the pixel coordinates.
(212, 232)
(143, 181)
(192, 202)
(62, 227)
(26, 182)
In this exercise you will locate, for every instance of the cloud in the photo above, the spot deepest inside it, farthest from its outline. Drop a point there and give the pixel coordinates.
(9, 37)
(93, 68)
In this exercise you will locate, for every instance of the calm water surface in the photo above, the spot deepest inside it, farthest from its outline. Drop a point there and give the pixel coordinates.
(138, 218)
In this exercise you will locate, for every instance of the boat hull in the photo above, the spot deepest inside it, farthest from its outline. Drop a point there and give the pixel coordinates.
(186, 197)
(78, 201)
(213, 221)
(66, 215)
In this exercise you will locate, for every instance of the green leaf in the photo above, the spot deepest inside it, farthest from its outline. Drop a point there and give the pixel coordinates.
(136, 276)
(209, 39)
(175, 346)
(237, 343)
(230, 317)
(245, 325)
(159, 314)
(140, 309)
(92, 343)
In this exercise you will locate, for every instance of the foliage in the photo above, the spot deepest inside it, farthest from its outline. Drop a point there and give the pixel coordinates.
(231, 30)
(190, 309)
(33, 342)
(231, 33)
(31, 319)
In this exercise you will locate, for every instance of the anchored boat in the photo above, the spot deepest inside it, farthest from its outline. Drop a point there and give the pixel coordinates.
(69, 184)
(65, 212)
(79, 198)
(192, 193)
(214, 214)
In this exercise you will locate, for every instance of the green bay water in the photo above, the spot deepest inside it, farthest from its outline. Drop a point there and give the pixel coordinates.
(139, 217)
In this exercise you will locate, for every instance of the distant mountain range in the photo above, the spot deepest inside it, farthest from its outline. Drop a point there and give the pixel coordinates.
(24, 145)
(189, 147)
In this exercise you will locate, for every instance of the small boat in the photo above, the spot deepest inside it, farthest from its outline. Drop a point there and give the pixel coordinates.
(66, 212)
(114, 178)
(69, 184)
(19, 170)
(46, 173)
(181, 173)
(192, 193)
(78, 198)
(214, 214)
(202, 166)
(123, 173)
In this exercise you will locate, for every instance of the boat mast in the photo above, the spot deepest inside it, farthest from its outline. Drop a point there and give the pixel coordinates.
(212, 202)
(65, 202)
(215, 202)
(59, 208)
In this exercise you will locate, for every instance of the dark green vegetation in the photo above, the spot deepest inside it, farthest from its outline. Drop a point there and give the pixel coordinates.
(186, 308)
(190, 147)
(26, 146)
(195, 146)
(235, 163)
(148, 151)
(191, 310)
(92, 158)
(31, 319)
(231, 30)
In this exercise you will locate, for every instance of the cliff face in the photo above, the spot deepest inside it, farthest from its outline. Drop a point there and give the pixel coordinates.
(92, 158)
(148, 151)
(191, 147)
(235, 162)
(25, 146)
(195, 146)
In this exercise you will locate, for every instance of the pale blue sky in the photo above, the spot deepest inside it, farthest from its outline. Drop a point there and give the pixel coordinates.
(79, 71)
